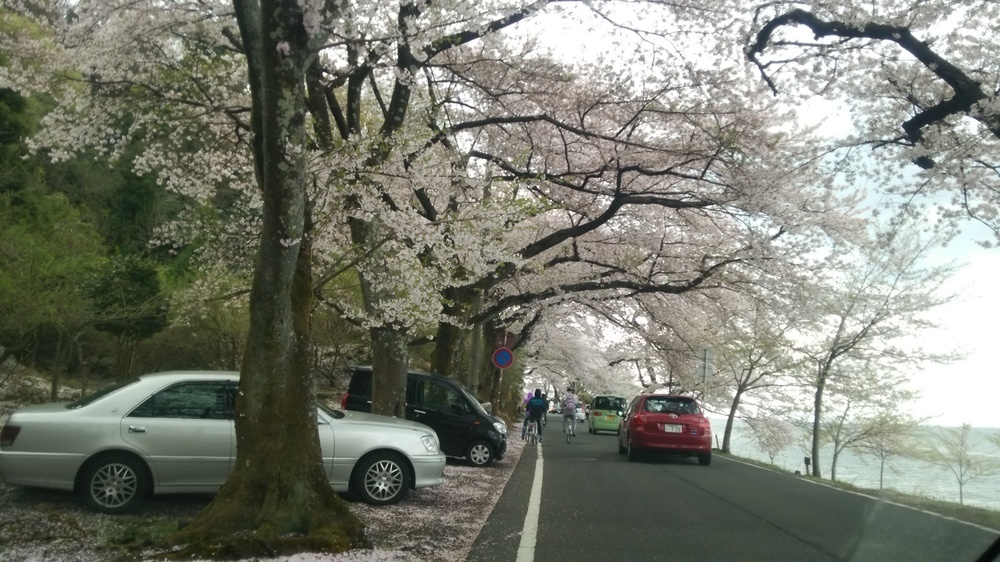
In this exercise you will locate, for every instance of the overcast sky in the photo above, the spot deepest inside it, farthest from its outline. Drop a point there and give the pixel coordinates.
(966, 391)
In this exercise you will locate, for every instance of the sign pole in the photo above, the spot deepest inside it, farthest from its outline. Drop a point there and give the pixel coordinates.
(502, 358)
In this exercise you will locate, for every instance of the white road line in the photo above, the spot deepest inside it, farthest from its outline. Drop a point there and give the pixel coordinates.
(529, 534)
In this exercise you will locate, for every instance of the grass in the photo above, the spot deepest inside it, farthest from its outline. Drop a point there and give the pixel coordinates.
(989, 518)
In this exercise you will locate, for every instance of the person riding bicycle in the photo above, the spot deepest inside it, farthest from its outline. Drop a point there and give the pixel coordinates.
(570, 403)
(524, 409)
(536, 409)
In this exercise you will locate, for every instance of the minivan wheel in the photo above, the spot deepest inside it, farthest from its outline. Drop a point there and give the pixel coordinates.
(115, 483)
(479, 453)
(380, 478)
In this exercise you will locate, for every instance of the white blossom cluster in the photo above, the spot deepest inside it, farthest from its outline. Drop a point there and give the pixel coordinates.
(545, 181)
(887, 82)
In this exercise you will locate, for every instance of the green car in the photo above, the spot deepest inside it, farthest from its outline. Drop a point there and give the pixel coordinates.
(605, 412)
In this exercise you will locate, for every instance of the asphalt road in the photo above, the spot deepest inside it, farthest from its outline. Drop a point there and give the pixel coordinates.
(595, 505)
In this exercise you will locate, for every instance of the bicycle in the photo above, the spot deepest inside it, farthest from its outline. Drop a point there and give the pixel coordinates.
(532, 434)
(568, 427)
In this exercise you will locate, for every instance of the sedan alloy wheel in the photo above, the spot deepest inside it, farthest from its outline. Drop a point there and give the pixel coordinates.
(381, 479)
(114, 484)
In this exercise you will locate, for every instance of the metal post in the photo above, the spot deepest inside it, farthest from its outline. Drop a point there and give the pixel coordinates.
(704, 375)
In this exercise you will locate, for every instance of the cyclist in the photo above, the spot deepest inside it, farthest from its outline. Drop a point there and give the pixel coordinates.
(570, 404)
(535, 410)
(524, 408)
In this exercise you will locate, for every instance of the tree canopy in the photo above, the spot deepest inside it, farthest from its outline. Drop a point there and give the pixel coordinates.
(430, 171)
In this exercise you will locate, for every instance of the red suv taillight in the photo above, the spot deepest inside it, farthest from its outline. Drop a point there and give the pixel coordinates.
(8, 434)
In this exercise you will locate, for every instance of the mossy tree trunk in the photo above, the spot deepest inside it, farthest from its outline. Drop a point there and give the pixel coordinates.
(390, 362)
(277, 489)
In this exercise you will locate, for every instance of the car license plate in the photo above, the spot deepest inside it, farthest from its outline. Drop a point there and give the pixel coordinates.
(610, 417)
(672, 428)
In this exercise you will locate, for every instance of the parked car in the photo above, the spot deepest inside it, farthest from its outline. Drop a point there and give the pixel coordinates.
(174, 433)
(581, 413)
(464, 427)
(605, 413)
(665, 423)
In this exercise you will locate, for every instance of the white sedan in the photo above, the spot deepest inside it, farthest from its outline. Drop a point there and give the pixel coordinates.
(173, 433)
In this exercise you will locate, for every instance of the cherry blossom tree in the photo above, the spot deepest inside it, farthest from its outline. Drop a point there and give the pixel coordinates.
(895, 440)
(952, 448)
(658, 340)
(920, 79)
(865, 410)
(571, 350)
(863, 313)
(754, 352)
(771, 434)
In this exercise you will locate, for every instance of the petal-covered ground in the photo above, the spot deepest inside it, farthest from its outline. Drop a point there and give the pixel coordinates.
(439, 523)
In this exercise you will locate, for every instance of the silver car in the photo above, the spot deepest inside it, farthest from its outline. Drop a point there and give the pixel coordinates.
(173, 433)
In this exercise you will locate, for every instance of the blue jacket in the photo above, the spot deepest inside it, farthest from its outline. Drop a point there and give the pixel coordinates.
(536, 407)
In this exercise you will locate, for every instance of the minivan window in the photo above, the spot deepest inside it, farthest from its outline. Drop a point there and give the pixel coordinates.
(435, 396)
(609, 403)
(476, 405)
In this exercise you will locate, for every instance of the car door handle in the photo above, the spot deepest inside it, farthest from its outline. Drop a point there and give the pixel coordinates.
(136, 429)
(419, 411)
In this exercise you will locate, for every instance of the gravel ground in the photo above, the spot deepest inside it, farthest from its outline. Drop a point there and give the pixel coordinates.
(439, 523)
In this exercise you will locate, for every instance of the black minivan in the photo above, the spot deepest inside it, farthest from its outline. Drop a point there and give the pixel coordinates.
(464, 427)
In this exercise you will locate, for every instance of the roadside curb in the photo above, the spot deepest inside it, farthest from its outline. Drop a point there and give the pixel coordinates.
(501, 534)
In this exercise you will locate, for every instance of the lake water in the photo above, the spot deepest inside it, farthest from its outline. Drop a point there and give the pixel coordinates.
(901, 474)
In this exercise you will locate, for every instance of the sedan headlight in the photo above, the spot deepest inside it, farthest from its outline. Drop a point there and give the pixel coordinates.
(500, 427)
(431, 444)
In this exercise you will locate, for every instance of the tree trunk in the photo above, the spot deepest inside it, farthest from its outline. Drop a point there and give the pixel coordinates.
(833, 464)
(817, 416)
(476, 350)
(390, 351)
(729, 420)
(277, 499)
(445, 343)
(390, 362)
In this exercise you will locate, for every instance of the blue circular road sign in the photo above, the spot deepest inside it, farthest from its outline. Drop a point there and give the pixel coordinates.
(503, 358)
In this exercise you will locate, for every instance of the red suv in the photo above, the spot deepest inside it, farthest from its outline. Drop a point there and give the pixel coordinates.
(665, 423)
